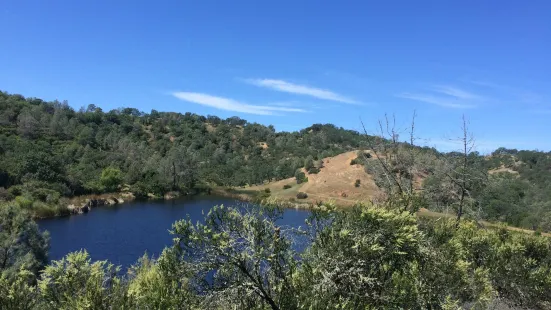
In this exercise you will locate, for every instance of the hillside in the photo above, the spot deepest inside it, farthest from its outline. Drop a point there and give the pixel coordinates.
(335, 181)
(50, 153)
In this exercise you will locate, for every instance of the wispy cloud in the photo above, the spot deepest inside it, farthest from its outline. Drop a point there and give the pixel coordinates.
(512, 93)
(232, 105)
(446, 96)
(287, 87)
(437, 100)
(455, 92)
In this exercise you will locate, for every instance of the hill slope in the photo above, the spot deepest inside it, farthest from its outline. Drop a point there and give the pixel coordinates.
(334, 181)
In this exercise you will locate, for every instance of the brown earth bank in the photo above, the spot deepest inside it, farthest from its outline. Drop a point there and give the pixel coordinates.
(83, 204)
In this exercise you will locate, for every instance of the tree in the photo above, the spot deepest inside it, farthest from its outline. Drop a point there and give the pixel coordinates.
(238, 257)
(74, 282)
(308, 162)
(463, 171)
(27, 125)
(396, 163)
(111, 178)
(300, 176)
(22, 245)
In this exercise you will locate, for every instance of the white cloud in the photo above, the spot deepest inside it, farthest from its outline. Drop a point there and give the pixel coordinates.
(446, 96)
(231, 105)
(284, 86)
(438, 100)
(455, 92)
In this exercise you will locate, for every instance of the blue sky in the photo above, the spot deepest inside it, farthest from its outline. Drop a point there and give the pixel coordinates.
(294, 63)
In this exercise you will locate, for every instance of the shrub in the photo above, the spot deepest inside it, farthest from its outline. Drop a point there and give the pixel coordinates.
(5, 194)
(313, 170)
(111, 178)
(260, 196)
(15, 190)
(267, 190)
(287, 186)
(139, 190)
(23, 202)
(357, 183)
(300, 177)
(356, 161)
(302, 195)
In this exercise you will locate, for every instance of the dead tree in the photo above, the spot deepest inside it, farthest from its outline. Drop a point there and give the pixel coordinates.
(395, 162)
(461, 173)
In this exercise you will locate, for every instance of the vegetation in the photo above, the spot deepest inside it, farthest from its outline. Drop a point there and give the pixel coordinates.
(49, 151)
(376, 256)
(313, 170)
(300, 177)
(239, 258)
(302, 195)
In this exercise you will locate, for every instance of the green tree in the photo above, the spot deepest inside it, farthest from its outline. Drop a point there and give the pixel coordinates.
(75, 282)
(22, 245)
(111, 178)
(300, 176)
(308, 162)
(240, 259)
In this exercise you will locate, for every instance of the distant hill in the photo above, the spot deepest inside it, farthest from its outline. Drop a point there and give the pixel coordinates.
(49, 152)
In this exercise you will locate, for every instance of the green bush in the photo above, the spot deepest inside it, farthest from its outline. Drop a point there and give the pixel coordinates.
(287, 186)
(139, 190)
(357, 183)
(267, 190)
(302, 195)
(16, 190)
(5, 194)
(111, 178)
(300, 177)
(313, 170)
(356, 161)
(23, 202)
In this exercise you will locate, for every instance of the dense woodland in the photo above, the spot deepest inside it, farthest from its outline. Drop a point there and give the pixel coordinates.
(48, 150)
(377, 255)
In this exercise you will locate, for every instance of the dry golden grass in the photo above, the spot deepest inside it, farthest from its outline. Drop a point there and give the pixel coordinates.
(335, 181)
(503, 169)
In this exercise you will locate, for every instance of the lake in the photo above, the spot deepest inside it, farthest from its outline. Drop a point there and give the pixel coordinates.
(123, 233)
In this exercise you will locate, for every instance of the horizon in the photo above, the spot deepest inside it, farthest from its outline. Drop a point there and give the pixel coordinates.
(292, 65)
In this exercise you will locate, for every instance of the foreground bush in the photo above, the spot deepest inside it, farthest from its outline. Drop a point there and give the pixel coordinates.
(362, 258)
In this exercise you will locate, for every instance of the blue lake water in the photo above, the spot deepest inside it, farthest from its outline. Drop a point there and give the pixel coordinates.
(123, 233)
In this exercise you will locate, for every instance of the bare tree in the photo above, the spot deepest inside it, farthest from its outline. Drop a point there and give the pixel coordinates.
(461, 171)
(396, 163)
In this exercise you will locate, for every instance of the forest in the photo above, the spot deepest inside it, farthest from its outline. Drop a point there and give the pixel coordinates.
(376, 255)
